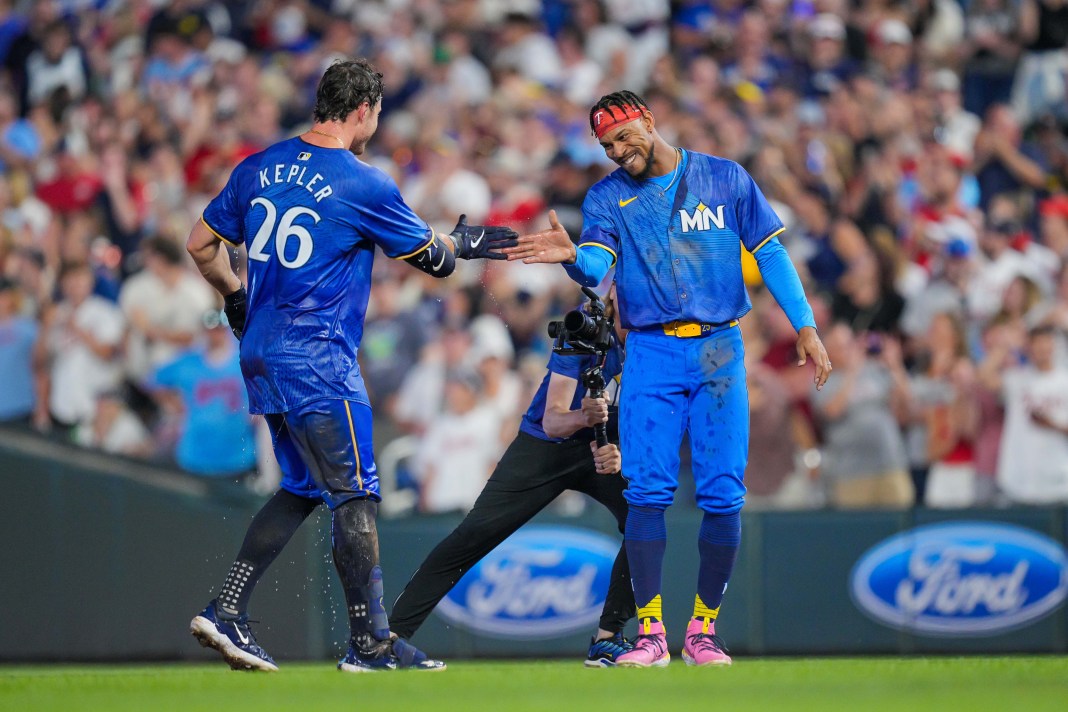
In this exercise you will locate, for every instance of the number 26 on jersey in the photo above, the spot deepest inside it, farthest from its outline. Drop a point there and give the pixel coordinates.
(287, 229)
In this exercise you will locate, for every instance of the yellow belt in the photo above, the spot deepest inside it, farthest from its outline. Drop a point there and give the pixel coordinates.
(689, 329)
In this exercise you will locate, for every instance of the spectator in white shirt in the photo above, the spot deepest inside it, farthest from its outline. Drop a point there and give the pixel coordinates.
(1002, 264)
(115, 428)
(57, 65)
(420, 399)
(959, 127)
(163, 304)
(460, 449)
(81, 341)
(527, 50)
(1033, 460)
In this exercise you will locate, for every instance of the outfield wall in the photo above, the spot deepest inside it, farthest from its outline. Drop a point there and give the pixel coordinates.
(108, 559)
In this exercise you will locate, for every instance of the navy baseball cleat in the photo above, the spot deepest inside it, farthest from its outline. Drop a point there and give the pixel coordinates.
(397, 654)
(603, 653)
(379, 658)
(410, 657)
(233, 639)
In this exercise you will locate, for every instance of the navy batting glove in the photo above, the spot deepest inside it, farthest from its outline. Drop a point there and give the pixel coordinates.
(235, 306)
(482, 241)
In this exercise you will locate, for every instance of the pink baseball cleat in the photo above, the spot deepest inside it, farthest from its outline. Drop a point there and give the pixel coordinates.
(650, 647)
(703, 647)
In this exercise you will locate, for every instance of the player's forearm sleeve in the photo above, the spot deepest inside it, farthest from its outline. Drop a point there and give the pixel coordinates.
(591, 265)
(781, 277)
(435, 259)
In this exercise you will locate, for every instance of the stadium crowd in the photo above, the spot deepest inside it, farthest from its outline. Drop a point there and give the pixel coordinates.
(916, 151)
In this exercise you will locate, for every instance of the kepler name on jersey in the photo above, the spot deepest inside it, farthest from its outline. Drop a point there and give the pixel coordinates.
(293, 173)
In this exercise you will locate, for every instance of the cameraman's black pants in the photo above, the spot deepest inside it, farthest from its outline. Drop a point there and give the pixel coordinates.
(529, 476)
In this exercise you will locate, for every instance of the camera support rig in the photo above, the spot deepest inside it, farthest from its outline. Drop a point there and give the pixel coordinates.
(587, 333)
(593, 379)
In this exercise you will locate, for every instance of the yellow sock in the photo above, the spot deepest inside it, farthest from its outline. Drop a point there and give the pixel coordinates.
(700, 610)
(652, 609)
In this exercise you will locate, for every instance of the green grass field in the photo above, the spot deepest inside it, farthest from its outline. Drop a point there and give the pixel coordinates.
(1029, 684)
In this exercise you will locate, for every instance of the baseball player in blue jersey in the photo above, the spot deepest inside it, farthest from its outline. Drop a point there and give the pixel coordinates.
(674, 223)
(310, 214)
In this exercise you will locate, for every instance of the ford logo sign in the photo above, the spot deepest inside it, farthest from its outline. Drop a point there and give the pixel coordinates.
(543, 581)
(961, 579)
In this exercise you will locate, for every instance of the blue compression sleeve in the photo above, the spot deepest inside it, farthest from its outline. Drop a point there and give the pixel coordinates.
(591, 265)
(781, 277)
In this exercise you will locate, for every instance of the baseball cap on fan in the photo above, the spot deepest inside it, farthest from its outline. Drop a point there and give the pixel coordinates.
(490, 339)
(826, 26)
(894, 32)
(959, 248)
(519, 11)
(945, 80)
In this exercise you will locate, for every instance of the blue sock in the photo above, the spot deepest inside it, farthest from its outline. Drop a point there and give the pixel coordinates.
(646, 540)
(717, 543)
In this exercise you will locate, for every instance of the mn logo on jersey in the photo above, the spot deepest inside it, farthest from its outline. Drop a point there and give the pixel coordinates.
(702, 218)
(303, 156)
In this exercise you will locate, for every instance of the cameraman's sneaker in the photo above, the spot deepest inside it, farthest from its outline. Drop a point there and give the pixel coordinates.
(395, 654)
(703, 647)
(650, 647)
(233, 639)
(603, 653)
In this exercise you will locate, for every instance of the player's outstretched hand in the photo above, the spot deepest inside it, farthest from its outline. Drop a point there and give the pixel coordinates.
(607, 459)
(550, 246)
(235, 306)
(475, 242)
(810, 346)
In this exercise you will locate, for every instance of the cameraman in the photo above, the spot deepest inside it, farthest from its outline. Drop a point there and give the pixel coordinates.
(553, 451)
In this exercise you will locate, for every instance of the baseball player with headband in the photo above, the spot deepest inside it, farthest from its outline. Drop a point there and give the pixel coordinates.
(673, 223)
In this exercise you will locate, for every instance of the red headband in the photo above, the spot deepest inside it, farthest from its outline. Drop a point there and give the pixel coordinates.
(604, 120)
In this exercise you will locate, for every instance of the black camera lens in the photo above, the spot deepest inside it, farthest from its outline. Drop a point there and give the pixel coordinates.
(580, 325)
(554, 328)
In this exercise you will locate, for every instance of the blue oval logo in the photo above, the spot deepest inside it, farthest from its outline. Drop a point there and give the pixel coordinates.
(961, 579)
(541, 582)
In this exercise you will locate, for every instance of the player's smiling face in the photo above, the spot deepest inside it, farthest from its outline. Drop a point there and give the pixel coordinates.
(631, 147)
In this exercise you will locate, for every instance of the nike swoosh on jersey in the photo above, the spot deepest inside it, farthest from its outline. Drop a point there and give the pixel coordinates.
(628, 201)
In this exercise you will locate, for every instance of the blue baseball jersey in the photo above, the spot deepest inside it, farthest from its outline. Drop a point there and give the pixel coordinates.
(217, 438)
(572, 367)
(679, 252)
(17, 338)
(310, 218)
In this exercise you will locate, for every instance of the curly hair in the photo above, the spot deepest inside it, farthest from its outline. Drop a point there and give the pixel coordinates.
(345, 85)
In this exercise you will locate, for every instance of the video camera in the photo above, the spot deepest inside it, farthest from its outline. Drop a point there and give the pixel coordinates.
(583, 333)
(587, 333)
